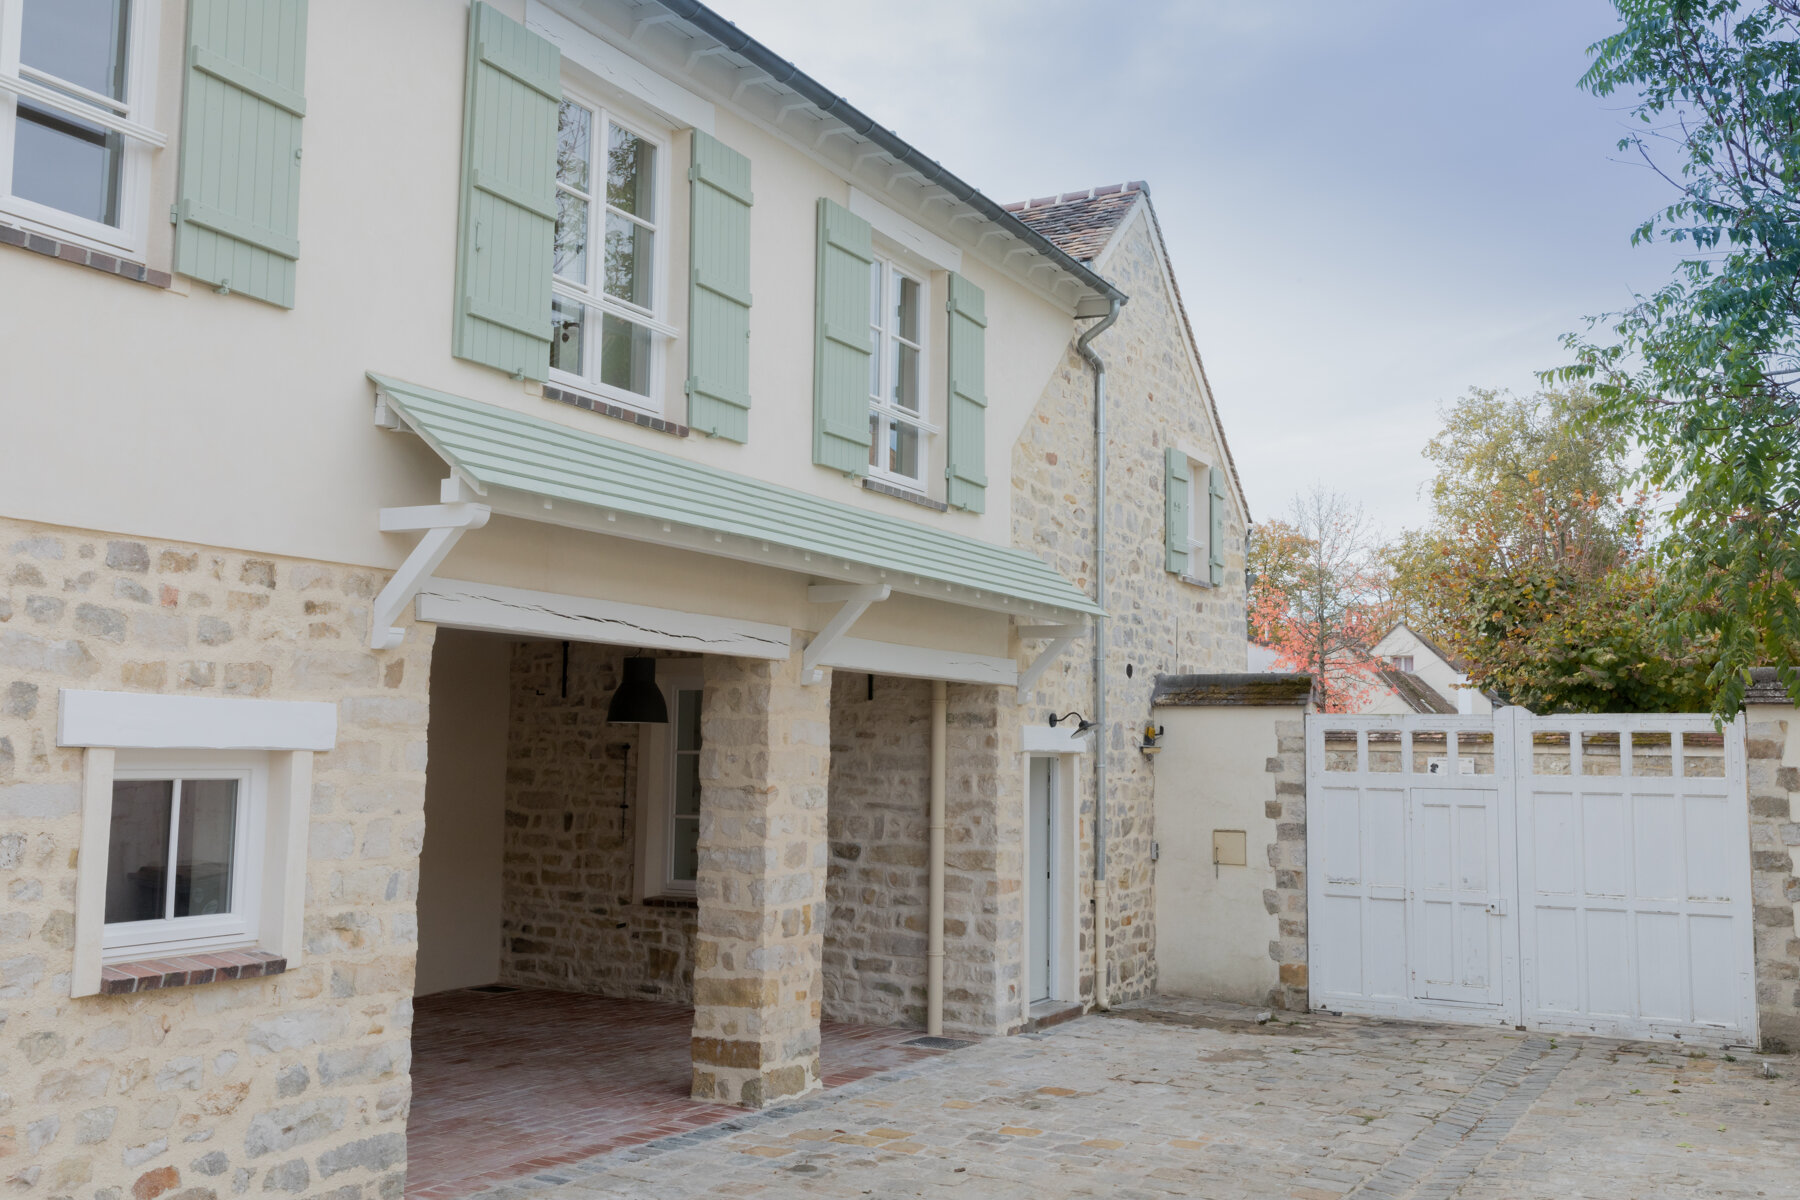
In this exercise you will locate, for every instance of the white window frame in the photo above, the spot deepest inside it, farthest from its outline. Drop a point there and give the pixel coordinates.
(1199, 523)
(656, 787)
(591, 293)
(131, 734)
(881, 408)
(1401, 662)
(134, 119)
(124, 941)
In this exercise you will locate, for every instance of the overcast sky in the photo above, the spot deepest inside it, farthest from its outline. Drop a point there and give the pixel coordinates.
(1371, 206)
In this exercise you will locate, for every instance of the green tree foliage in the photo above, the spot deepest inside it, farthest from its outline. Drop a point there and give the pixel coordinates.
(1532, 568)
(1706, 372)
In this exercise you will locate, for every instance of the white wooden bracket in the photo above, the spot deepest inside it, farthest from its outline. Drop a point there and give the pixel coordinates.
(444, 524)
(855, 599)
(1061, 637)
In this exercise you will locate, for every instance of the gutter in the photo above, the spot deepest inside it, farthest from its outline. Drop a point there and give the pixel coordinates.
(783, 72)
(1101, 898)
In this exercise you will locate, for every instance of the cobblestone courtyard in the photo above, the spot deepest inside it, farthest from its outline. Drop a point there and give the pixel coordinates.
(1175, 1099)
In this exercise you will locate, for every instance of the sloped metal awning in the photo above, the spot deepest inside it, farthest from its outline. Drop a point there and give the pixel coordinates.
(525, 467)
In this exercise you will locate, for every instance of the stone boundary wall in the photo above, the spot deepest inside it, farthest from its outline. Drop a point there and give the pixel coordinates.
(570, 919)
(294, 1084)
(1772, 770)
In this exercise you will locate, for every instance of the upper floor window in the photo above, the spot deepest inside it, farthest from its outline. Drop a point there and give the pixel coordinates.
(608, 290)
(74, 92)
(1401, 662)
(900, 426)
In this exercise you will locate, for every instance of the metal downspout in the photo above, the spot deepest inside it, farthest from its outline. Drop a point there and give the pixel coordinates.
(1100, 732)
(934, 919)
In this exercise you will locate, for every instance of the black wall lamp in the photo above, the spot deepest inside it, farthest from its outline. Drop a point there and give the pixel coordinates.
(1082, 724)
(638, 701)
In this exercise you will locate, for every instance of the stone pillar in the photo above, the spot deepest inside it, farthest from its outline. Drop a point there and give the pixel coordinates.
(758, 984)
(1772, 753)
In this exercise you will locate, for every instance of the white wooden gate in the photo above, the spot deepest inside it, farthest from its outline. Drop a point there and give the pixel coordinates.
(1582, 874)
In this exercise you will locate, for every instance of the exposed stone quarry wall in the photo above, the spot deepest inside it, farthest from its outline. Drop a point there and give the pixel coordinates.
(296, 1083)
(1159, 622)
(570, 919)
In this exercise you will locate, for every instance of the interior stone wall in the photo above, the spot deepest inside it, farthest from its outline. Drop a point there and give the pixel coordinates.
(876, 889)
(569, 916)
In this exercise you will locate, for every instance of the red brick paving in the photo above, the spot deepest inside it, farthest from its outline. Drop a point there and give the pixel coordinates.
(508, 1084)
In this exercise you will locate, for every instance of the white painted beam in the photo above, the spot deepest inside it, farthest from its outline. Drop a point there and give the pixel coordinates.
(1061, 637)
(856, 600)
(492, 608)
(444, 525)
(920, 662)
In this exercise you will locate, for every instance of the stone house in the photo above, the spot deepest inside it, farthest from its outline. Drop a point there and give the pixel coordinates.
(625, 534)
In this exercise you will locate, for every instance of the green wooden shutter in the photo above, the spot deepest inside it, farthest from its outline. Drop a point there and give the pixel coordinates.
(237, 206)
(718, 384)
(1215, 527)
(1177, 495)
(841, 342)
(966, 459)
(507, 225)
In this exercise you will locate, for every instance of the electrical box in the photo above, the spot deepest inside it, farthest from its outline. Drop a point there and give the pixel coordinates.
(1229, 848)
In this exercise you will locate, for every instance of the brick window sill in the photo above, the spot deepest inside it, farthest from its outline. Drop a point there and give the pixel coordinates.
(81, 256)
(900, 493)
(188, 970)
(671, 902)
(616, 412)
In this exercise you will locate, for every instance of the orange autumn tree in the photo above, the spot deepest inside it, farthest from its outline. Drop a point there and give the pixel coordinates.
(1319, 596)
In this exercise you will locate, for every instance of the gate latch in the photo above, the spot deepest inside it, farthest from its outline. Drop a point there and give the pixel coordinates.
(1496, 908)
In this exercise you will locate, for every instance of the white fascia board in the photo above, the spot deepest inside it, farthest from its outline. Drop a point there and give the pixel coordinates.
(614, 67)
(904, 232)
(492, 608)
(920, 662)
(1041, 739)
(136, 721)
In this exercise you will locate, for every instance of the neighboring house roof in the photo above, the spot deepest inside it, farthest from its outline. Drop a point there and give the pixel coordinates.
(1232, 690)
(1414, 692)
(637, 492)
(1084, 225)
(760, 74)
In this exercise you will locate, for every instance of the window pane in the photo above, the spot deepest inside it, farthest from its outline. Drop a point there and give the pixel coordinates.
(906, 308)
(903, 450)
(67, 164)
(573, 152)
(137, 849)
(631, 174)
(684, 850)
(906, 377)
(687, 785)
(687, 719)
(204, 836)
(82, 41)
(629, 260)
(624, 355)
(566, 331)
(876, 270)
(571, 237)
(874, 440)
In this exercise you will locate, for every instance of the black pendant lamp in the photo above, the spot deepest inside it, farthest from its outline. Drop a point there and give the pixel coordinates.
(638, 701)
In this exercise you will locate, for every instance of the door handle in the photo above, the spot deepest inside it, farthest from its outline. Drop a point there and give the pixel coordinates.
(1496, 908)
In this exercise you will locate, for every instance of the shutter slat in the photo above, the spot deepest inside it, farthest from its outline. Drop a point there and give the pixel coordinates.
(1215, 527)
(237, 204)
(718, 384)
(507, 223)
(966, 454)
(841, 341)
(1177, 495)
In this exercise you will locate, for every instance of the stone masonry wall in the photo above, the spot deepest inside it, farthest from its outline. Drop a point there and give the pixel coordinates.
(877, 887)
(570, 918)
(295, 1084)
(1286, 900)
(1159, 623)
(1772, 768)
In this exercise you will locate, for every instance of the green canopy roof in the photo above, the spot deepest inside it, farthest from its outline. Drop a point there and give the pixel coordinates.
(494, 447)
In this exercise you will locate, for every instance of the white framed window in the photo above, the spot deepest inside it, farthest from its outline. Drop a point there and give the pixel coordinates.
(668, 823)
(1199, 523)
(77, 79)
(184, 848)
(1401, 662)
(900, 428)
(194, 820)
(610, 294)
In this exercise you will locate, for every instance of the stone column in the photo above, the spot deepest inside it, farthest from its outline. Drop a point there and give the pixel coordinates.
(764, 771)
(1772, 753)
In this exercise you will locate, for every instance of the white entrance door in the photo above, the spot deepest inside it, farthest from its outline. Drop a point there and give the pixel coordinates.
(1040, 818)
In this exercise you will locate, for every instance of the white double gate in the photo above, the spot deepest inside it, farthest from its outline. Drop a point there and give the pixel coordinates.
(1579, 874)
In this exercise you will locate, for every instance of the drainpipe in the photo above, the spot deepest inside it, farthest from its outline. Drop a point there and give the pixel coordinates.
(1100, 886)
(934, 918)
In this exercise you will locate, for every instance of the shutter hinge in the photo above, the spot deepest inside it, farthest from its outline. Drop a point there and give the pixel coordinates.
(174, 215)
(687, 387)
